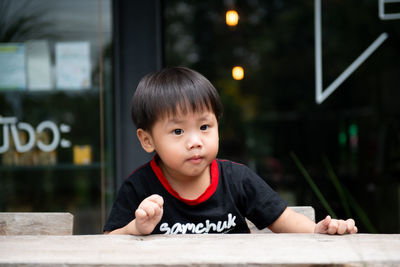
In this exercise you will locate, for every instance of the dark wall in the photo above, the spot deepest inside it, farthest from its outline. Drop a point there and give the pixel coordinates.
(137, 51)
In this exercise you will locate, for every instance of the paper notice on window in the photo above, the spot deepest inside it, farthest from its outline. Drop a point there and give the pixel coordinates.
(38, 65)
(12, 66)
(73, 65)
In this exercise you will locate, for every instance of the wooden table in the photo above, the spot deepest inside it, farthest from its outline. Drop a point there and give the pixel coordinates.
(204, 250)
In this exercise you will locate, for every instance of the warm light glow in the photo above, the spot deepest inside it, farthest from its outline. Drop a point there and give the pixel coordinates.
(232, 18)
(237, 73)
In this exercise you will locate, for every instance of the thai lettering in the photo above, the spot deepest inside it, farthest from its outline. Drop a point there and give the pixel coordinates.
(12, 129)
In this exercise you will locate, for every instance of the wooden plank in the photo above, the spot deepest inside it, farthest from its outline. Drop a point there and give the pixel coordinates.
(201, 250)
(36, 223)
(307, 211)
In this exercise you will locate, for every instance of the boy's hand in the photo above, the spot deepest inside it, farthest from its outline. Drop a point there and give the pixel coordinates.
(148, 214)
(334, 226)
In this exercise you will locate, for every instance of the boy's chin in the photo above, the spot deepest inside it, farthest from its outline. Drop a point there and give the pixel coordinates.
(196, 170)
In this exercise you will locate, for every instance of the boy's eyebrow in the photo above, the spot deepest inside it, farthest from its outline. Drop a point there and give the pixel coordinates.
(204, 117)
(175, 120)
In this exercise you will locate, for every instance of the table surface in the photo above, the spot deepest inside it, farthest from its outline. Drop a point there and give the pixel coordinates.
(204, 250)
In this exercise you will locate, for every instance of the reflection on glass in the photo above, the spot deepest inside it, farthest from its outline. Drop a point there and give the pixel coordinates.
(50, 141)
(272, 112)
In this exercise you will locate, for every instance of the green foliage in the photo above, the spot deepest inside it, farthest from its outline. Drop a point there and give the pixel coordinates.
(347, 200)
(314, 187)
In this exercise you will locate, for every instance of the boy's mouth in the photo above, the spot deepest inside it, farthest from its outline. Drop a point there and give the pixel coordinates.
(196, 159)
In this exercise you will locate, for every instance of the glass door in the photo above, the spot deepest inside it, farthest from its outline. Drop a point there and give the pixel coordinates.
(55, 108)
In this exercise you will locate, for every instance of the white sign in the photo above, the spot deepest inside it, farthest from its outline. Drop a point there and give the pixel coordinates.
(12, 66)
(38, 65)
(73, 65)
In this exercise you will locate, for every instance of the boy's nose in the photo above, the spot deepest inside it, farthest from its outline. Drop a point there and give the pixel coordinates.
(194, 141)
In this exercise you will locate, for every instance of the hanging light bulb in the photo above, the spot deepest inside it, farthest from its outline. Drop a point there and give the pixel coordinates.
(237, 73)
(232, 18)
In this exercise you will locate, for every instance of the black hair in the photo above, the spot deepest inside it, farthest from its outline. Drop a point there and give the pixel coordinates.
(170, 90)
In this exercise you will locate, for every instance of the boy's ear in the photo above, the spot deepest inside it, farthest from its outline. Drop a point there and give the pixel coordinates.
(145, 140)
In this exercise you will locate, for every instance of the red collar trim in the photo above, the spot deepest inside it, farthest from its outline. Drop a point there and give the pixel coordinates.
(203, 197)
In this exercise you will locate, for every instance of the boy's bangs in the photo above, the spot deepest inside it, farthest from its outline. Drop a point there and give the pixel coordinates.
(181, 104)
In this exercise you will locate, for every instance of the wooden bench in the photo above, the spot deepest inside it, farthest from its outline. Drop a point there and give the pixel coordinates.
(36, 223)
(307, 211)
(61, 223)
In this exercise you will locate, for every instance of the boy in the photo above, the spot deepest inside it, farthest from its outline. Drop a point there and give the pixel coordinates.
(185, 189)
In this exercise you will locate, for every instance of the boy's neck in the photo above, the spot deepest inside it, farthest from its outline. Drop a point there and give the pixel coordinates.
(188, 187)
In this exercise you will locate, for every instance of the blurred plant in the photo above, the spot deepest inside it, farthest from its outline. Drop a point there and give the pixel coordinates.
(313, 185)
(348, 200)
(345, 196)
(338, 187)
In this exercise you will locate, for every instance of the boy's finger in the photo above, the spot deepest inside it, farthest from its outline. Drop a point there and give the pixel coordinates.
(326, 222)
(156, 199)
(350, 225)
(149, 207)
(342, 227)
(322, 226)
(140, 213)
(159, 212)
(333, 227)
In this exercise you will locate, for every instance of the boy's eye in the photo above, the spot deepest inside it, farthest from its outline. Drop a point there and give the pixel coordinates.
(204, 127)
(178, 131)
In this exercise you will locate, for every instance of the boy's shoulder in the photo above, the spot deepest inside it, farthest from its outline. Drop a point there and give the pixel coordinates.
(140, 180)
(140, 172)
(232, 168)
(230, 163)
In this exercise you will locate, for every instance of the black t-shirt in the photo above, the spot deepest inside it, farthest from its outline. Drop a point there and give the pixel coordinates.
(235, 193)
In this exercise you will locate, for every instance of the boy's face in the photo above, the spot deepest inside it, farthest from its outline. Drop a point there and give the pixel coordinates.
(186, 143)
